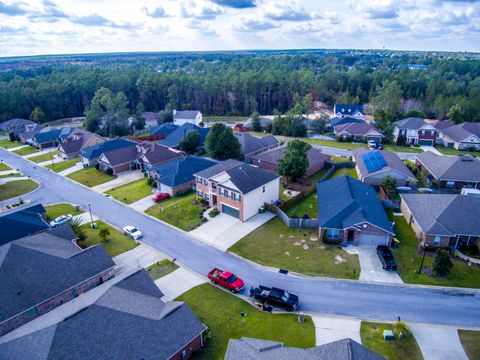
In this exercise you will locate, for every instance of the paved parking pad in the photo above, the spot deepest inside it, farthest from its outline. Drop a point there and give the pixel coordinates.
(439, 342)
(178, 282)
(328, 329)
(139, 258)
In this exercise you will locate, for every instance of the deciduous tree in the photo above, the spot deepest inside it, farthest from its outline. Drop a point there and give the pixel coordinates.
(222, 144)
(294, 163)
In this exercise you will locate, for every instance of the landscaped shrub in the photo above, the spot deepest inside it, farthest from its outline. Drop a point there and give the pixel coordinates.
(442, 263)
(109, 171)
(214, 212)
(151, 182)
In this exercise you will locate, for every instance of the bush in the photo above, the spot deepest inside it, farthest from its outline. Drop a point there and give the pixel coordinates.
(151, 182)
(109, 171)
(214, 212)
(97, 166)
(200, 200)
(442, 263)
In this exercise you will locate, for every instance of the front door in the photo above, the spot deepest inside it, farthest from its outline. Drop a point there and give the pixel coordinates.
(351, 235)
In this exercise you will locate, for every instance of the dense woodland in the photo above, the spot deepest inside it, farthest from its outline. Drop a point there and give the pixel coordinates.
(242, 83)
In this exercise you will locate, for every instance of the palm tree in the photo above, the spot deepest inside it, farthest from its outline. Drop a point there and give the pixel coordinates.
(104, 233)
(76, 225)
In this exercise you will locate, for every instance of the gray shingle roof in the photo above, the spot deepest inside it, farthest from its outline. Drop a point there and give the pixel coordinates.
(186, 114)
(14, 124)
(47, 136)
(217, 169)
(462, 131)
(157, 154)
(392, 160)
(345, 120)
(121, 156)
(410, 123)
(357, 129)
(180, 171)
(455, 168)
(315, 156)
(345, 201)
(254, 349)
(250, 143)
(76, 141)
(94, 151)
(22, 223)
(174, 139)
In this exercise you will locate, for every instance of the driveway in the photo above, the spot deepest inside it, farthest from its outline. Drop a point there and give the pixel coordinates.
(121, 179)
(439, 342)
(140, 257)
(223, 230)
(328, 329)
(178, 282)
(143, 204)
(371, 266)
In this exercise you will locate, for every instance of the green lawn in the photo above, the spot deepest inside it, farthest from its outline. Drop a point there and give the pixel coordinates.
(63, 165)
(404, 149)
(90, 177)
(298, 250)
(228, 119)
(259, 134)
(345, 171)
(7, 144)
(161, 268)
(335, 144)
(178, 211)
(451, 151)
(4, 167)
(221, 313)
(55, 210)
(12, 174)
(44, 157)
(398, 349)
(339, 159)
(471, 343)
(26, 151)
(408, 261)
(16, 188)
(307, 206)
(131, 192)
(116, 243)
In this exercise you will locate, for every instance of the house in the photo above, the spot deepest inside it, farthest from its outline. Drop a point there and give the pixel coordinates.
(150, 154)
(43, 271)
(443, 220)
(464, 136)
(350, 211)
(26, 137)
(255, 349)
(252, 145)
(173, 140)
(21, 223)
(187, 117)
(89, 155)
(119, 160)
(236, 188)
(349, 110)
(358, 132)
(162, 131)
(46, 138)
(151, 119)
(417, 131)
(336, 121)
(454, 172)
(269, 159)
(125, 319)
(15, 126)
(79, 139)
(176, 177)
(242, 127)
(265, 121)
(373, 166)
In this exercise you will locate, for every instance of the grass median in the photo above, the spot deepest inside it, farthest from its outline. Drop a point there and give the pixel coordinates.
(16, 188)
(44, 157)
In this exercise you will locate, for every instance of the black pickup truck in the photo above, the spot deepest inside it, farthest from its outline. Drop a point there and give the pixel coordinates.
(274, 297)
(386, 257)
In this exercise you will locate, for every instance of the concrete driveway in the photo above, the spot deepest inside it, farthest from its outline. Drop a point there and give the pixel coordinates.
(223, 231)
(371, 266)
(121, 179)
(143, 204)
(139, 258)
(328, 329)
(439, 342)
(178, 282)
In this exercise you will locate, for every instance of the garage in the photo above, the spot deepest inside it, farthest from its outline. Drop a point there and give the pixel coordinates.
(425, 142)
(371, 239)
(230, 211)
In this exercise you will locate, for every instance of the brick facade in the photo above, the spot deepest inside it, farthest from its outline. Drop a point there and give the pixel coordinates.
(367, 228)
(187, 351)
(221, 199)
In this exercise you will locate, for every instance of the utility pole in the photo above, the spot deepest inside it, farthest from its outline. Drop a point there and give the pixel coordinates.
(419, 271)
(91, 217)
(51, 157)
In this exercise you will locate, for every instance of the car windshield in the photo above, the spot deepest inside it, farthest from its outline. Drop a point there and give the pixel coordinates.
(133, 230)
(231, 279)
(285, 296)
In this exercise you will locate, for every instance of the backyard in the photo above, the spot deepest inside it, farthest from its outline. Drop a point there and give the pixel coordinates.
(16, 188)
(7, 144)
(451, 151)
(44, 157)
(131, 192)
(161, 268)
(371, 334)
(116, 243)
(179, 211)
(298, 250)
(471, 342)
(25, 151)
(67, 164)
(222, 313)
(90, 177)
(55, 210)
(227, 119)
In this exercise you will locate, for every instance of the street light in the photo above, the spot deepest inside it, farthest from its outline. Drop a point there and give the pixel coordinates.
(51, 157)
(419, 271)
(91, 216)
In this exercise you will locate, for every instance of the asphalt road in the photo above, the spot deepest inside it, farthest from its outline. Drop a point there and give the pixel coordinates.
(417, 304)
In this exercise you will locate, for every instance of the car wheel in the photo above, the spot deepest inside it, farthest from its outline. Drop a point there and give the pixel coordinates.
(233, 291)
(213, 282)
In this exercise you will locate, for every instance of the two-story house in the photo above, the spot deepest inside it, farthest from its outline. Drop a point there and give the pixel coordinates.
(187, 116)
(349, 110)
(412, 131)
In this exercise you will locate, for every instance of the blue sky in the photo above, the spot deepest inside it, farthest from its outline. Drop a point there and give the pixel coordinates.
(78, 26)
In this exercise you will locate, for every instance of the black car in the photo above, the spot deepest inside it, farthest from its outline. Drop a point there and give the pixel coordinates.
(275, 297)
(386, 257)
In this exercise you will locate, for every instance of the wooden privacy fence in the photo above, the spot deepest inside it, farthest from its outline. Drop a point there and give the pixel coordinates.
(297, 223)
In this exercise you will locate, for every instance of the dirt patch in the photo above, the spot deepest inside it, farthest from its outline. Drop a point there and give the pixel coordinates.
(305, 247)
(339, 260)
(313, 238)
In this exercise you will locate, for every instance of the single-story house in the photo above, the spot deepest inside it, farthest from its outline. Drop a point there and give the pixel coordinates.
(127, 319)
(443, 220)
(193, 117)
(15, 126)
(27, 221)
(26, 137)
(350, 211)
(46, 138)
(358, 132)
(173, 140)
(336, 121)
(176, 177)
(265, 121)
(373, 165)
(252, 145)
(79, 139)
(43, 271)
(89, 155)
(236, 188)
(349, 110)
(151, 154)
(242, 127)
(269, 159)
(454, 172)
(255, 349)
(464, 136)
(119, 160)
(413, 131)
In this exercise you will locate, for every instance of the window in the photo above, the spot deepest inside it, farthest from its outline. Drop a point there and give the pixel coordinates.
(207, 197)
(205, 182)
(199, 193)
(432, 132)
(263, 188)
(221, 191)
(436, 241)
(423, 132)
(238, 197)
(450, 184)
(232, 195)
(225, 193)
(199, 180)
(333, 233)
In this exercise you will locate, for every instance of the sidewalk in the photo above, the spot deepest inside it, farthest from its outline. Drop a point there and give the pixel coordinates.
(329, 329)
(76, 167)
(438, 342)
(143, 204)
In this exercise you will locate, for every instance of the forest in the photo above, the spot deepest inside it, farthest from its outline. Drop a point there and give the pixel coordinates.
(232, 83)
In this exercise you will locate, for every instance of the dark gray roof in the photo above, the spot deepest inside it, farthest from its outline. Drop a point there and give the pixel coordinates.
(94, 151)
(445, 214)
(21, 223)
(37, 267)
(345, 201)
(344, 120)
(30, 131)
(76, 141)
(453, 168)
(252, 143)
(315, 156)
(462, 131)
(121, 156)
(15, 125)
(186, 114)
(348, 109)
(254, 349)
(217, 169)
(48, 136)
(157, 154)
(129, 321)
(392, 160)
(357, 129)
(178, 172)
(174, 139)
(410, 123)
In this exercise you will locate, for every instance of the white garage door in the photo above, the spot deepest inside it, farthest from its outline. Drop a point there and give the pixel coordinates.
(369, 239)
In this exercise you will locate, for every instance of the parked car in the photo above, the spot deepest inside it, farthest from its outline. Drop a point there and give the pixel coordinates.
(160, 197)
(132, 232)
(275, 297)
(371, 144)
(62, 219)
(226, 279)
(386, 257)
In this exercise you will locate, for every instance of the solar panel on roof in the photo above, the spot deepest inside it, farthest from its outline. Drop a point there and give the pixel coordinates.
(374, 161)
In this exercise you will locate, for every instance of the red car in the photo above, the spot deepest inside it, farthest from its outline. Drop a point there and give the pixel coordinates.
(160, 197)
(226, 279)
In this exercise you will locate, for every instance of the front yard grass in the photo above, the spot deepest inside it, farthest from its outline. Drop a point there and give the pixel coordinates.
(4, 167)
(90, 177)
(471, 342)
(12, 174)
(335, 144)
(161, 268)
(408, 261)
(221, 313)
(7, 144)
(57, 167)
(406, 348)
(43, 157)
(451, 151)
(116, 244)
(298, 250)
(16, 188)
(178, 211)
(25, 151)
(55, 210)
(403, 149)
(131, 192)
